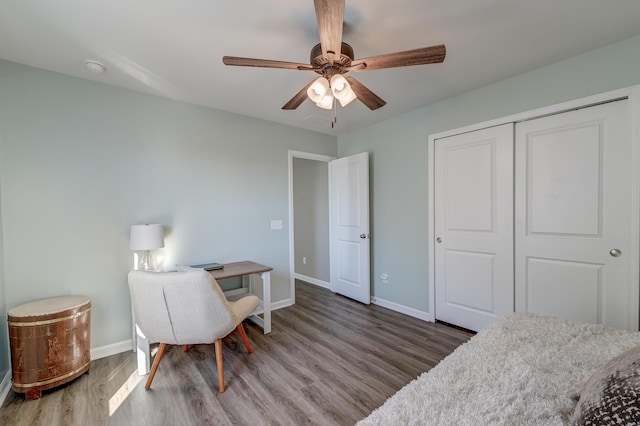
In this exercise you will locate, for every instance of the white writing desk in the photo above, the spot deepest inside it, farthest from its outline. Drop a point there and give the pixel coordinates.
(231, 270)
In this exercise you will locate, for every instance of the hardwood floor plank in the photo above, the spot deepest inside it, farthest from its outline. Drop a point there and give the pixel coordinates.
(328, 361)
(334, 406)
(404, 357)
(321, 359)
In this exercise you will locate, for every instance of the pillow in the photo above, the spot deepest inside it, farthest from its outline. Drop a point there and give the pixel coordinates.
(611, 396)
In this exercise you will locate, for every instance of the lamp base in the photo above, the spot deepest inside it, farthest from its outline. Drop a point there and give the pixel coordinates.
(145, 260)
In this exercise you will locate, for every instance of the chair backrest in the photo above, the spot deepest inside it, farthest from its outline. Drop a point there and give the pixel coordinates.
(180, 307)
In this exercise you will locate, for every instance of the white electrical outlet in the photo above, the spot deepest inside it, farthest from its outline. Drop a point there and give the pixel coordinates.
(276, 225)
(304, 260)
(384, 278)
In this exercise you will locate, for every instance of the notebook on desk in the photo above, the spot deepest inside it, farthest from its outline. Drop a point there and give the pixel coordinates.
(209, 266)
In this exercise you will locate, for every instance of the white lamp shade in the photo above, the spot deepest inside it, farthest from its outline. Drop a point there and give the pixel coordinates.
(318, 89)
(146, 237)
(338, 84)
(326, 102)
(347, 99)
(341, 89)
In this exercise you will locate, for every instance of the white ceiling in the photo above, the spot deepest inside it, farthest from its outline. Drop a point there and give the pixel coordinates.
(174, 48)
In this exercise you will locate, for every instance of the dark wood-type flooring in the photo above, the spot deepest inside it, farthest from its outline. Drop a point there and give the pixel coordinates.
(328, 361)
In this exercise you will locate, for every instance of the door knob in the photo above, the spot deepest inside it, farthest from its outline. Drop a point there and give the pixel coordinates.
(615, 253)
(439, 239)
(363, 235)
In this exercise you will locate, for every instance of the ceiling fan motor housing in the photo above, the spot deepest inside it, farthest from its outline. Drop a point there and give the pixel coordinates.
(344, 60)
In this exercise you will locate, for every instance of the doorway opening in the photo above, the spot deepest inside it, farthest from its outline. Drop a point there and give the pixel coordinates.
(309, 252)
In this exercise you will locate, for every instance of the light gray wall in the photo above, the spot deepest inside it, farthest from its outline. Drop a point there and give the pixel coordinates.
(82, 162)
(399, 155)
(311, 218)
(4, 339)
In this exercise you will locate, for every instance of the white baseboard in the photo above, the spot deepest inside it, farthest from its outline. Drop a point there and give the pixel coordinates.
(281, 304)
(5, 387)
(313, 281)
(412, 312)
(112, 349)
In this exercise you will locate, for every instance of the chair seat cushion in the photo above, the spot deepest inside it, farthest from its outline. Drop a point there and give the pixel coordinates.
(243, 307)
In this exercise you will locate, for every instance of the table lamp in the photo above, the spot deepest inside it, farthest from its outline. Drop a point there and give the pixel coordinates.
(144, 239)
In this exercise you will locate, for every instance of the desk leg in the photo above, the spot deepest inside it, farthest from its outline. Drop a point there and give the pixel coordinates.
(246, 282)
(134, 331)
(143, 353)
(266, 300)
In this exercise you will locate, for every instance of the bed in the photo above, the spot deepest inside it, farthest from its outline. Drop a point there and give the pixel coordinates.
(526, 370)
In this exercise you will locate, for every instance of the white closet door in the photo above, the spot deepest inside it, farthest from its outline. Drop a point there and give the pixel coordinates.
(573, 224)
(474, 227)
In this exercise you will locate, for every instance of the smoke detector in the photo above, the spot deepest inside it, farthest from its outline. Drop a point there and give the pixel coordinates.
(95, 66)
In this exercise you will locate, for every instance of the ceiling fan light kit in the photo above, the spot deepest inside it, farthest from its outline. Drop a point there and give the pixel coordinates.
(331, 65)
(323, 92)
(341, 90)
(318, 89)
(326, 102)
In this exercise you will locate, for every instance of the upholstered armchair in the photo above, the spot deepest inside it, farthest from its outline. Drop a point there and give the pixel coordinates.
(186, 308)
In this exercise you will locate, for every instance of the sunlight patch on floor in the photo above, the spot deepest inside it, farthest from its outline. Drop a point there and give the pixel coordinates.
(125, 390)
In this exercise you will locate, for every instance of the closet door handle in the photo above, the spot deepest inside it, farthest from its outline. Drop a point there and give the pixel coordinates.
(439, 240)
(615, 253)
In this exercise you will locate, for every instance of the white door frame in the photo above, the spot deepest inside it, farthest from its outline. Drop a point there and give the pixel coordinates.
(292, 252)
(631, 93)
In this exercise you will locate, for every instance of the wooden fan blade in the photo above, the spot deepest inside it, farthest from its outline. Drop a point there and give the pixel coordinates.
(265, 63)
(365, 95)
(298, 98)
(424, 55)
(330, 15)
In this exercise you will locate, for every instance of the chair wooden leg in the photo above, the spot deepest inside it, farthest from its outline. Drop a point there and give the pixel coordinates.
(218, 347)
(186, 348)
(240, 329)
(156, 363)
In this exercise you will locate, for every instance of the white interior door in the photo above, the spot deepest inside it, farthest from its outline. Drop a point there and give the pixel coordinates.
(573, 216)
(474, 227)
(349, 222)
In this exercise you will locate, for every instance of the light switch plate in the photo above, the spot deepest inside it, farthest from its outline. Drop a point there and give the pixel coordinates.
(276, 225)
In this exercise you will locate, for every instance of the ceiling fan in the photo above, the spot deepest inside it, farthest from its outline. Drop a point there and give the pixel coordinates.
(332, 58)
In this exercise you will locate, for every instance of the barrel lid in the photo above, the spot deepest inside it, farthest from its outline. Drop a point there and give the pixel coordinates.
(51, 305)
